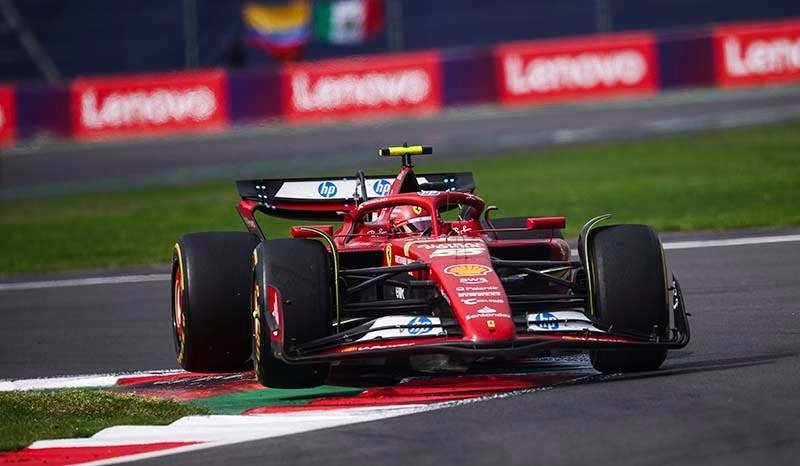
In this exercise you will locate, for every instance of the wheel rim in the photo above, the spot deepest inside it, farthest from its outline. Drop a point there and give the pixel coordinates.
(257, 324)
(178, 316)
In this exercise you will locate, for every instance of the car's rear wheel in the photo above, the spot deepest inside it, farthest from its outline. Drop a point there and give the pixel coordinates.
(211, 279)
(629, 287)
(295, 276)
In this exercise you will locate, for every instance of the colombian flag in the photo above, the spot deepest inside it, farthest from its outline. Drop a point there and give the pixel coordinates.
(282, 30)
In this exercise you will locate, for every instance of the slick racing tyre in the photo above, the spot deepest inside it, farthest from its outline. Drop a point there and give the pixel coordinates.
(211, 279)
(294, 275)
(520, 222)
(629, 287)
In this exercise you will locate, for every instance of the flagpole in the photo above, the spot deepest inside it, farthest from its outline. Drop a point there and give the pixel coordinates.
(394, 24)
(603, 19)
(190, 47)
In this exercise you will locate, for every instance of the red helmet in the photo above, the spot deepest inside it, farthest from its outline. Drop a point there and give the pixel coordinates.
(409, 219)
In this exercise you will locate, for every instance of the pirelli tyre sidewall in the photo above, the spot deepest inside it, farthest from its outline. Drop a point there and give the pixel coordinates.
(629, 292)
(211, 278)
(299, 274)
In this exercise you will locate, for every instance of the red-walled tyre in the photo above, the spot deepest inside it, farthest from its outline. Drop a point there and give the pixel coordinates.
(629, 286)
(300, 275)
(211, 279)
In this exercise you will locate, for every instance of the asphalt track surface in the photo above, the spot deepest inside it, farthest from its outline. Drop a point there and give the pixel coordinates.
(278, 150)
(730, 397)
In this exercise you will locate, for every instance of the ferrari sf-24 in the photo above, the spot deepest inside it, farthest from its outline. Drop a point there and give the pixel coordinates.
(416, 269)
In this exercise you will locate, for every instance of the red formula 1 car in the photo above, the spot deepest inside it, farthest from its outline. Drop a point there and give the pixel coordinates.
(417, 271)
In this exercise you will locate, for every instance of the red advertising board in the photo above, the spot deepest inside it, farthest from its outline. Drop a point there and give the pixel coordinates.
(576, 68)
(387, 84)
(148, 104)
(8, 116)
(758, 53)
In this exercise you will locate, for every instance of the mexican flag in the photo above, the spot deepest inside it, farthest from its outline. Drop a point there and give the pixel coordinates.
(347, 21)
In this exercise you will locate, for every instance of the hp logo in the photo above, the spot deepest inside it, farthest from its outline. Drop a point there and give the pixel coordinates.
(423, 325)
(381, 187)
(326, 189)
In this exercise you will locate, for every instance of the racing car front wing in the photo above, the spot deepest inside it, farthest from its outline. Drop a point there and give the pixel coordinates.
(442, 336)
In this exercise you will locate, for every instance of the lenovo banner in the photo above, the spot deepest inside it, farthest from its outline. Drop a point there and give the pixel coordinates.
(761, 53)
(8, 116)
(389, 84)
(148, 104)
(576, 68)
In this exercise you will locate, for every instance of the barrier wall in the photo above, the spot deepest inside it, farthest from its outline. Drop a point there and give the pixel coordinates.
(8, 116)
(579, 68)
(468, 77)
(366, 86)
(42, 111)
(531, 72)
(254, 95)
(683, 59)
(148, 104)
(758, 53)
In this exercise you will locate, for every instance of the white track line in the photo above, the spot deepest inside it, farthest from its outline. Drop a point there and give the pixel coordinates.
(713, 243)
(77, 381)
(65, 382)
(227, 428)
(157, 277)
(731, 242)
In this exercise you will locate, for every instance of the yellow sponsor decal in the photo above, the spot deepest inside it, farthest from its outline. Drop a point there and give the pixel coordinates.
(257, 322)
(490, 324)
(388, 254)
(417, 209)
(467, 270)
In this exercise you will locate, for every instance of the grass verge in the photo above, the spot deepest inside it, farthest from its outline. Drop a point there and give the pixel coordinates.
(37, 415)
(726, 179)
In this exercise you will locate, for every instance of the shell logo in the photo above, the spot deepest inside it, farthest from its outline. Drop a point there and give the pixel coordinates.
(467, 270)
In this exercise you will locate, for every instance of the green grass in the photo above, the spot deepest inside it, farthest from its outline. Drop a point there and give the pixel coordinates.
(37, 415)
(728, 179)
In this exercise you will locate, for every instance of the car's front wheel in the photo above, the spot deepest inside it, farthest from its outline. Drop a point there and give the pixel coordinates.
(629, 292)
(292, 302)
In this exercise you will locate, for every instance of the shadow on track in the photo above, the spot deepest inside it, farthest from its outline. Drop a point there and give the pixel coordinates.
(688, 368)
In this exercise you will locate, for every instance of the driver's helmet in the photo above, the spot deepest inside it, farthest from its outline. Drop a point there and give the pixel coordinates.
(409, 219)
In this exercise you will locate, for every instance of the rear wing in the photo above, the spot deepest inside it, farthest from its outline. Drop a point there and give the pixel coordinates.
(322, 198)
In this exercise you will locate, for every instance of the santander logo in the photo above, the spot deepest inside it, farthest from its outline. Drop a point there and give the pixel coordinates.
(761, 57)
(156, 107)
(584, 71)
(374, 89)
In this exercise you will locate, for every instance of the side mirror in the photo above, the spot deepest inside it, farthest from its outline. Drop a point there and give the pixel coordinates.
(545, 223)
(305, 231)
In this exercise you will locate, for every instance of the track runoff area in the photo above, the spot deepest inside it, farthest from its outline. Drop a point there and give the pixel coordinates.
(245, 411)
